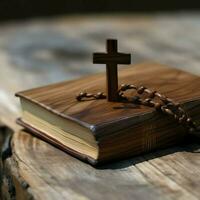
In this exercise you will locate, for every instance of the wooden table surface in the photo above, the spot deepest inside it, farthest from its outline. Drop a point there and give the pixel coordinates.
(43, 51)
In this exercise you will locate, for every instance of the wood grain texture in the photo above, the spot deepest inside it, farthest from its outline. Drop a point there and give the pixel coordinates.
(155, 176)
(99, 114)
(126, 131)
(48, 51)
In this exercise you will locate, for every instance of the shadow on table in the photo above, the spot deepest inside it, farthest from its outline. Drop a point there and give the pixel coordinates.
(192, 145)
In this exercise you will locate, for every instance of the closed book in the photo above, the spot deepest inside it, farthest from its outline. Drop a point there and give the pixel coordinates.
(97, 130)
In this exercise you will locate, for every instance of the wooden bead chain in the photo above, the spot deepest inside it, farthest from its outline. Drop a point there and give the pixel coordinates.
(163, 104)
(99, 95)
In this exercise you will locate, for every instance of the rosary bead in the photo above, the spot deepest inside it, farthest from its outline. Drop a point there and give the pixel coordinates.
(150, 103)
(123, 87)
(168, 111)
(83, 94)
(80, 96)
(141, 90)
(164, 99)
(132, 87)
(147, 101)
(157, 106)
(169, 100)
(158, 95)
(88, 95)
(99, 95)
(189, 120)
(152, 94)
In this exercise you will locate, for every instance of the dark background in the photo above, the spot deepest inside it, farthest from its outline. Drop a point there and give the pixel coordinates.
(12, 9)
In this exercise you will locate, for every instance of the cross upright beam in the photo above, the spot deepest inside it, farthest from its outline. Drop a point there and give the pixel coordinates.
(112, 58)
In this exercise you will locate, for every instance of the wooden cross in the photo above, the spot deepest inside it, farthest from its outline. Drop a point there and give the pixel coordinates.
(112, 58)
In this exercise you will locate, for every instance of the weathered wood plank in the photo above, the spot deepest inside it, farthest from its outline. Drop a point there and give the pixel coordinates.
(71, 176)
(39, 52)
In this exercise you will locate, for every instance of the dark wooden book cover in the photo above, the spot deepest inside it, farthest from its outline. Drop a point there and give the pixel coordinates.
(121, 129)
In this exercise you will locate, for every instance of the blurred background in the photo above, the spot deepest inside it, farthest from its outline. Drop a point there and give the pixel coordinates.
(43, 42)
(12, 9)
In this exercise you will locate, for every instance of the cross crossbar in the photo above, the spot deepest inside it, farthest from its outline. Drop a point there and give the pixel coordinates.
(115, 58)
